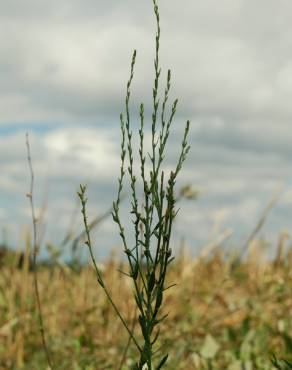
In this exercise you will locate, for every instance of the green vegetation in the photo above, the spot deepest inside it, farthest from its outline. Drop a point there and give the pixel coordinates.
(150, 255)
(282, 364)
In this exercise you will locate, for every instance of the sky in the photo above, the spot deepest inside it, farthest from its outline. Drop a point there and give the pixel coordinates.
(63, 72)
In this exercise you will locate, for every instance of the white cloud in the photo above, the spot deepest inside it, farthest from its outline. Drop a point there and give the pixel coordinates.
(84, 152)
(69, 64)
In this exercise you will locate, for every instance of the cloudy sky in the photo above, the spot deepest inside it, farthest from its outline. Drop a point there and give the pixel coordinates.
(63, 69)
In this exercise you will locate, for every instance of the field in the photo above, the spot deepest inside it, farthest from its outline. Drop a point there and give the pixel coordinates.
(223, 310)
(223, 314)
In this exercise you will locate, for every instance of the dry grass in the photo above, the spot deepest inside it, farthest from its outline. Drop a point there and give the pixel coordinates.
(232, 313)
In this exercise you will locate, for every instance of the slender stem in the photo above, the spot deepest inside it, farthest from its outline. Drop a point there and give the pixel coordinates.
(100, 280)
(35, 253)
(123, 359)
(153, 221)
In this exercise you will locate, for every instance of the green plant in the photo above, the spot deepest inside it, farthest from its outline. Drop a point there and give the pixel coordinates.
(281, 364)
(153, 212)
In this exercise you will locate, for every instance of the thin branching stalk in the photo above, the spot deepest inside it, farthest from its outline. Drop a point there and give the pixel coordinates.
(153, 218)
(152, 208)
(126, 349)
(100, 280)
(35, 253)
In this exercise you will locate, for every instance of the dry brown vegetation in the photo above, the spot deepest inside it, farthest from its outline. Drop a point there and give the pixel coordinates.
(222, 314)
